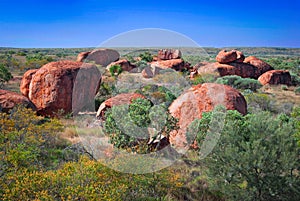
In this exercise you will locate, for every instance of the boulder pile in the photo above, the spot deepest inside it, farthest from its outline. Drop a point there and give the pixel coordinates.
(166, 59)
(234, 63)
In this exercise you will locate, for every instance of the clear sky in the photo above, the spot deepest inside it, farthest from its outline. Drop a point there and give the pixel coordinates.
(88, 23)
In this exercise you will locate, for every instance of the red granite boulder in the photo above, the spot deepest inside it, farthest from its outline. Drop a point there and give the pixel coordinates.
(26, 79)
(103, 56)
(120, 99)
(275, 77)
(64, 87)
(225, 56)
(8, 100)
(82, 56)
(125, 65)
(167, 54)
(198, 99)
(259, 64)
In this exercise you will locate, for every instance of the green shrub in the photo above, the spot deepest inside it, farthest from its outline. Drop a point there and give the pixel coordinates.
(296, 115)
(25, 140)
(257, 102)
(256, 157)
(295, 79)
(204, 78)
(239, 83)
(157, 94)
(146, 56)
(87, 180)
(115, 70)
(127, 126)
(5, 75)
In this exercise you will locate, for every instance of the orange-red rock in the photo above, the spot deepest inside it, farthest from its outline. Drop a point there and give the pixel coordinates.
(275, 77)
(234, 68)
(198, 99)
(64, 87)
(259, 64)
(176, 64)
(245, 70)
(26, 79)
(166, 54)
(125, 65)
(103, 56)
(8, 100)
(120, 99)
(82, 56)
(225, 56)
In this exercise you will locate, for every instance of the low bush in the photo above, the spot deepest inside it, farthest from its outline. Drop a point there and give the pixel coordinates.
(29, 141)
(115, 70)
(239, 83)
(146, 56)
(258, 102)
(295, 79)
(87, 180)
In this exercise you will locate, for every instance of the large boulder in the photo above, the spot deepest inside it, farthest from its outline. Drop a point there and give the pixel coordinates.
(176, 64)
(63, 87)
(120, 99)
(198, 99)
(259, 64)
(225, 56)
(245, 70)
(167, 54)
(103, 56)
(234, 68)
(123, 63)
(275, 77)
(8, 100)
(26, 79)
(82, 56)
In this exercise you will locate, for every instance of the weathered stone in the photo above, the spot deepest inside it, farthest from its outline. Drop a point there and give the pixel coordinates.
(176, 64)
(124, 64)
(167, 54)
(103, 56)
(8, 100)
(82, 56)
(225, 56)
(64, 87)
(26, 79)
(275, 77)
(120, 99)
(259, 64)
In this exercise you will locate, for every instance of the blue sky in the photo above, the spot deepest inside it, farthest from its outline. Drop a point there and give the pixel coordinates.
(88, 23)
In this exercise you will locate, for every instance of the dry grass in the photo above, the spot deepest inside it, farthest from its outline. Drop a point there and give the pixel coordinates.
(282, 96)
(13, 84)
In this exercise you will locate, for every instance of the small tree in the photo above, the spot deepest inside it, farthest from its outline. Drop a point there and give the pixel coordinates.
(256, 158)
(5, 75)
(127, 126)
